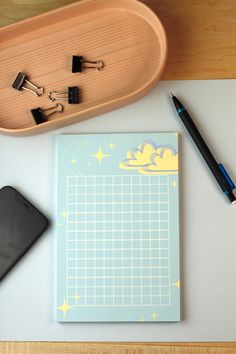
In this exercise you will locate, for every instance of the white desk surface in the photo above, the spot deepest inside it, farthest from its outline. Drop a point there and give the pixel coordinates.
(208, 223)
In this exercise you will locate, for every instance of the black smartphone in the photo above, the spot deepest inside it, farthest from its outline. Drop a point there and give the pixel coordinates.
(21, 224)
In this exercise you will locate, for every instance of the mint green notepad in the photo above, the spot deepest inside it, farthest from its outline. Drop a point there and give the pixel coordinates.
(117, 227)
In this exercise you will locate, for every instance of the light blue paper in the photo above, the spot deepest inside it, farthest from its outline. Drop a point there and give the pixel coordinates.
(117, 227)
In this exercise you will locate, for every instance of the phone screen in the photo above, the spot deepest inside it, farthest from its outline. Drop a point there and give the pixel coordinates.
(21, 224)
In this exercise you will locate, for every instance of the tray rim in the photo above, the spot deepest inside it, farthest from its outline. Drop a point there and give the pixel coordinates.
(101, 108)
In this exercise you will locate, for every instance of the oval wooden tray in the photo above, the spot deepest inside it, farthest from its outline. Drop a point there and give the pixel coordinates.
(125, 34)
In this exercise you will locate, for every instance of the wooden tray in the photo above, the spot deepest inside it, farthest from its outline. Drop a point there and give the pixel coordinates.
(125, 34)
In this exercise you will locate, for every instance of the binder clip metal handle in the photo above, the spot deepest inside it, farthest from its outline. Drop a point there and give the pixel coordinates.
(78, 64)
(71, 95)
(21, 80)
(40, 116)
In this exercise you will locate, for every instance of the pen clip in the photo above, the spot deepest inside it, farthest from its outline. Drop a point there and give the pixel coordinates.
(225, 174)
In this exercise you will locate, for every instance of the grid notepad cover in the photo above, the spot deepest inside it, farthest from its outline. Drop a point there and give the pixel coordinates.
(117, 227)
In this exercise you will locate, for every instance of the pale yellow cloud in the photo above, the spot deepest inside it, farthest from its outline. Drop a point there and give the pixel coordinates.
(139, 157)
(151, 159)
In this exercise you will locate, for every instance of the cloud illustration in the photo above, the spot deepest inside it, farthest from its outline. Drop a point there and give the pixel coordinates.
(148, 158)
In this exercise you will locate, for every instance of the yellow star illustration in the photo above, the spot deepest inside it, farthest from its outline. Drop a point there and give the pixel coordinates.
(64, 307)
(73, 161)
(174, 184)
(100, 155)
(76, 297)
(64, 214)
(154, 316)
(177, 284)
(111, 146)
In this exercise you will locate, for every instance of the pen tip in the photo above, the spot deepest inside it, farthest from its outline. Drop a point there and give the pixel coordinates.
(171, 94)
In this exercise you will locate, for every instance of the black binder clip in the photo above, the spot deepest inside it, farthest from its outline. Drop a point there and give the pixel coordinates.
(71, 95)
(21, 80)
(78, 64)
(39, 115)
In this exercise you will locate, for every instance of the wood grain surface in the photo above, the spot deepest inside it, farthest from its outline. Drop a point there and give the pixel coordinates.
(201, 33)
(116, 348)
(202, 45)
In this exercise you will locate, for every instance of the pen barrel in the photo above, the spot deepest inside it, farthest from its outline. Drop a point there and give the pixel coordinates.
(204, 150)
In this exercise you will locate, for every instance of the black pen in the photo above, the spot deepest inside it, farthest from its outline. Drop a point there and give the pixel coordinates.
(217, 170)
